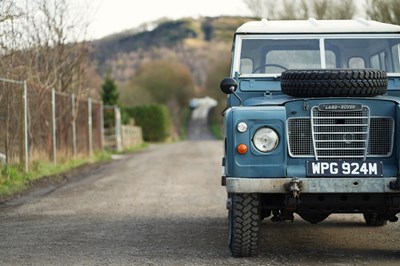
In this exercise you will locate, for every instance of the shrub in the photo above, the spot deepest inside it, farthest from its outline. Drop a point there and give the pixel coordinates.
(154, 120)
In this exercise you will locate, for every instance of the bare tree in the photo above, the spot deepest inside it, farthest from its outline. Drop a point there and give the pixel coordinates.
(45, 44)
(302, 9)
(9, 12)
(262, 8)
(384, 10)
(291, 10)
(329, 9)
(60, 57)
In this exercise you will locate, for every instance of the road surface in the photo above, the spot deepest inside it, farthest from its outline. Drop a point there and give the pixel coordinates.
(165, 206)
(199, 123)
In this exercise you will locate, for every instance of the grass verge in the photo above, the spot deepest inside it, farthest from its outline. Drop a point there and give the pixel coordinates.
(14, 180)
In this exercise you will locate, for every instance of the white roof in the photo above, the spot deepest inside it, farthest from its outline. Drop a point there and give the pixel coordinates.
(316, 26)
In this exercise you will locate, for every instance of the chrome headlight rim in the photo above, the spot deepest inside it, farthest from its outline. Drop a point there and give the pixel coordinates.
(265, 139)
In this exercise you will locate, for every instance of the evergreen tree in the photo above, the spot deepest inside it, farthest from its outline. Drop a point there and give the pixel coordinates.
(109, 93)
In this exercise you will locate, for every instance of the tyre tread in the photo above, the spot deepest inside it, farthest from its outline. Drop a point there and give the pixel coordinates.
(245, 225)
(334, 82)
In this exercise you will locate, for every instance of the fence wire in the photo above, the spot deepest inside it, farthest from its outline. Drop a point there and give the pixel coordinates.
(57, 125)
(11, 122)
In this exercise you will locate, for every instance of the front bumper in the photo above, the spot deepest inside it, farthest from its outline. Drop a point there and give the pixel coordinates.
(311, 185)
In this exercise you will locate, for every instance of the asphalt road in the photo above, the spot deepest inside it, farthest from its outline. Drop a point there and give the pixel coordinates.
(198, 125)
(165, 206)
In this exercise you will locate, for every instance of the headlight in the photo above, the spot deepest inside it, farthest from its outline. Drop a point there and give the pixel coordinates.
(266, 139)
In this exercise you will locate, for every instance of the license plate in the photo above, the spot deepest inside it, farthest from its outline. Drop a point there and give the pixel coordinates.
(344, 168)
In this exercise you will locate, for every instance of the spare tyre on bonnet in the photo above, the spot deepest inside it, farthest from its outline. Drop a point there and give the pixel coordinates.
(334, 82)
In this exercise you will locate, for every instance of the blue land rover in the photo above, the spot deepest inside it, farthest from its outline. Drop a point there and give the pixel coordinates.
(312, 124)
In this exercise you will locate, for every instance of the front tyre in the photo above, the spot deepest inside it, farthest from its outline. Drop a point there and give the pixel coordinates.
(244, 223)
(375, 219)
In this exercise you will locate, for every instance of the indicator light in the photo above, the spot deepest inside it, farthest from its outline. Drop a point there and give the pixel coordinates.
(242, 149)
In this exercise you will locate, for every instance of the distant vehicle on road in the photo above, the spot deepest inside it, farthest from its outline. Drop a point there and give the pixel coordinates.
(206, 101)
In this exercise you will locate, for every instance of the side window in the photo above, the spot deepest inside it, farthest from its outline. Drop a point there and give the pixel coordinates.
(396, 58)
(330, 59)
(375, 62)
(382, 59)
(246, 65)
(379, 61)
(356, 62)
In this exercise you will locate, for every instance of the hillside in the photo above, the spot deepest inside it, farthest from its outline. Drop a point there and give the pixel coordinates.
(189, 41)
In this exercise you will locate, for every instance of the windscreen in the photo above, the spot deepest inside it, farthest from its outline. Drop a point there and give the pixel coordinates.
(273, 56)
(366, 53)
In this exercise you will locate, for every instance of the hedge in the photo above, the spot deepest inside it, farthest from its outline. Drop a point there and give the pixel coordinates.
(154, 120)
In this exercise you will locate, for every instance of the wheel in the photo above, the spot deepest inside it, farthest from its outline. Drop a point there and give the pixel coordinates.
(314, 218)
(375, 219)
(268, 65)
(244, 223)
(334, 82)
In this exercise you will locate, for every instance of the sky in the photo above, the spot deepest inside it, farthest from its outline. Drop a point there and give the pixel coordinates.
(111, 16)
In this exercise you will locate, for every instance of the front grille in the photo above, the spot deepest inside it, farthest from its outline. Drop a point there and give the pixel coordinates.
(381, 134)
(340, 135)
(300, 140)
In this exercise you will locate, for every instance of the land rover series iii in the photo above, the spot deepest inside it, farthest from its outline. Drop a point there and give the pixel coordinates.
(312, 125)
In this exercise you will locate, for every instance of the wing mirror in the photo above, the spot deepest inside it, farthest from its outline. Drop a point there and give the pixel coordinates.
(228, 85)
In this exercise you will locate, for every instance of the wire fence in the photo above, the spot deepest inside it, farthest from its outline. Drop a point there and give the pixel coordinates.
(44, 125)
